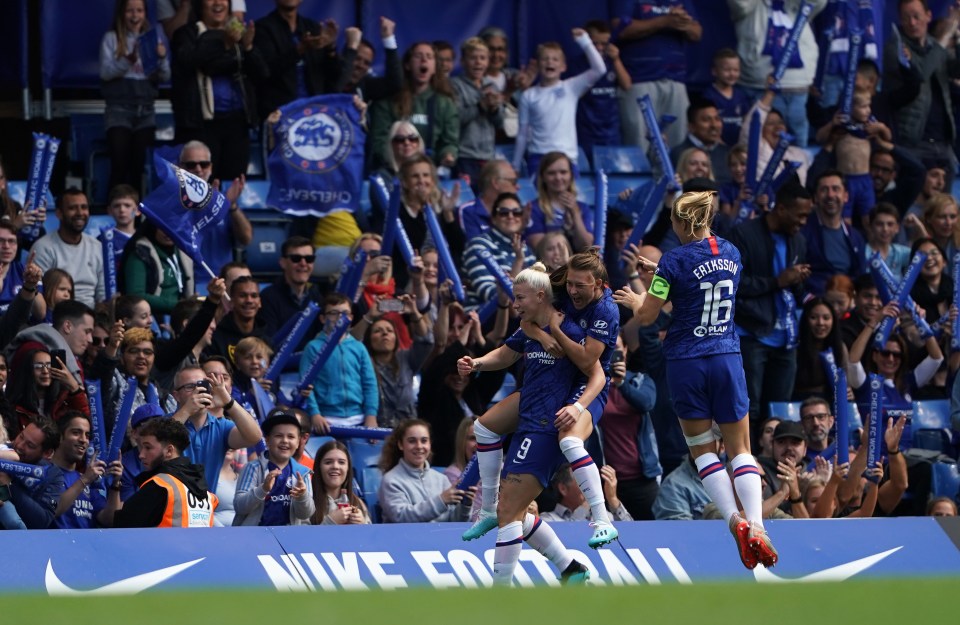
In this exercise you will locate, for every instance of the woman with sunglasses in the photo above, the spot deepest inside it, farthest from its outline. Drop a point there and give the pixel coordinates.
(404, 141)
(900, 382)
(503, 242)
(39, 385)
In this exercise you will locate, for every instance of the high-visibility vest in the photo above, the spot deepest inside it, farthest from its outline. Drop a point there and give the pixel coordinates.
(183, 508)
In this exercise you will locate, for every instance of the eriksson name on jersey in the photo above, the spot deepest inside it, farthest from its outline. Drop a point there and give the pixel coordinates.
(716, 264)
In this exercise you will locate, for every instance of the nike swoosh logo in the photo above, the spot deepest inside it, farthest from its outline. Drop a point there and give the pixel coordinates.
(128, 586)
(837, 573)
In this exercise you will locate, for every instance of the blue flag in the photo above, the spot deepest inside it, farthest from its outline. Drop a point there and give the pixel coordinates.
(316, 167)
(187, 209)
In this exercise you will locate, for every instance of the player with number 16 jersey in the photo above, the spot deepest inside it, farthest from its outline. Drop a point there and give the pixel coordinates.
(701, 280)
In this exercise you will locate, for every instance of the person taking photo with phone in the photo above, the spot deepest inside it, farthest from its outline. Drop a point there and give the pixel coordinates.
(211, 436)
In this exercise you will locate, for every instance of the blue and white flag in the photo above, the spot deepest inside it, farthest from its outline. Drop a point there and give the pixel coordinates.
(187, 209)
(316, 167)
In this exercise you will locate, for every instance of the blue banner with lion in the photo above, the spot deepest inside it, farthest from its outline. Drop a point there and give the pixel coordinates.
(316, 166)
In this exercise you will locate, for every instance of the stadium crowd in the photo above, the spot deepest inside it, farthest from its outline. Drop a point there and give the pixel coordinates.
(210, 432)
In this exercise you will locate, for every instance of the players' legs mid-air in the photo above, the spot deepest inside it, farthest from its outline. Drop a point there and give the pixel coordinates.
(752, 540)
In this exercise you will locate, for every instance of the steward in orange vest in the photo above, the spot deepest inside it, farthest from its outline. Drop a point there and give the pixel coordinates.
(172, 491)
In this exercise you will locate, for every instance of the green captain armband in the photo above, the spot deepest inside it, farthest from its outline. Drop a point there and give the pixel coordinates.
(659, 287)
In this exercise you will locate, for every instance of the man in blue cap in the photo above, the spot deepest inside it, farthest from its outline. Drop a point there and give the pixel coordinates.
(132, 467)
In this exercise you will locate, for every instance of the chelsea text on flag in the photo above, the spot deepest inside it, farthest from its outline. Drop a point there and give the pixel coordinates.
(316, 166)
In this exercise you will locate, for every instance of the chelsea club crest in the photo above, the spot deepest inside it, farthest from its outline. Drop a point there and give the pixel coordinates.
(317, 140)
(195, 193)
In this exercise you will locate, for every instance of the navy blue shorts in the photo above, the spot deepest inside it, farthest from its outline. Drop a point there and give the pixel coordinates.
(534, 453)
(710, 387)
(596, 406)
(860, 196)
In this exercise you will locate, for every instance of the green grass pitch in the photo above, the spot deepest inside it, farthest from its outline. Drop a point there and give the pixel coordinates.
(897, 601)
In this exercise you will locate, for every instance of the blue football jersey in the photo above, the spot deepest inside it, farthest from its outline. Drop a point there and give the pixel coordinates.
(547, 381)
(92, 499)
(701, 279)
(599, 320)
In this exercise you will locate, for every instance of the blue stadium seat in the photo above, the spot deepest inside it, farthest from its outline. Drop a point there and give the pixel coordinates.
(509, 385)
(97, 222)
(18, 192)
(316, 442)
(269, 232)
(371, 478)
(504, 152)
(526, 189)
(363, 453)
(616, 184)
(930, 426)
(620, 159)
(785, 410)
(254, 194)
(583, 163)
(945, 481)
(586, 190)
(466, 193)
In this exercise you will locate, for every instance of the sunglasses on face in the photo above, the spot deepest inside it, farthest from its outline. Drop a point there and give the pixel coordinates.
(301, 258)
(196, 164)
(515, 212)
(886, 353)
(406, 139)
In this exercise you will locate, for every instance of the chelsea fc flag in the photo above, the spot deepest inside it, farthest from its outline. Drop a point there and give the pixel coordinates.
(316, 166)
(187, 209)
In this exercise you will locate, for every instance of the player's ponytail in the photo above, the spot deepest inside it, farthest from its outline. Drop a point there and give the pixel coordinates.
(535, 276)
(589, 260)
(695, 209)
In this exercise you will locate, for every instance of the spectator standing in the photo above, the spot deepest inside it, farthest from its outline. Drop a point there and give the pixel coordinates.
(548, 111)
(480, 108)
(774, 268)
(759, 27)
(129, 91)
(731, 100)
(426, 100)
(598, 112)
(300, 55)
(920, 93)
(35, 445)
(290, 294)
(653, 37)
(833, 247)
(214, 69)
(361, 81)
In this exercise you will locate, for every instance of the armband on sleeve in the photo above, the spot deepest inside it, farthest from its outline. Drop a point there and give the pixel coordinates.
(659, 287)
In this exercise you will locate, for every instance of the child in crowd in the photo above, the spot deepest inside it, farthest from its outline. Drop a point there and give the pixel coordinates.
(480, 106)
(884, 226)
(446, 58)
(733, 194)
(851, 138)
(275, 489)
(131, 67)
(548, 111)
(732, 100)
(598, 112)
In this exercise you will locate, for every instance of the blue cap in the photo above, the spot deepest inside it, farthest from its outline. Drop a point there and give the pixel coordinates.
(144, 412)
